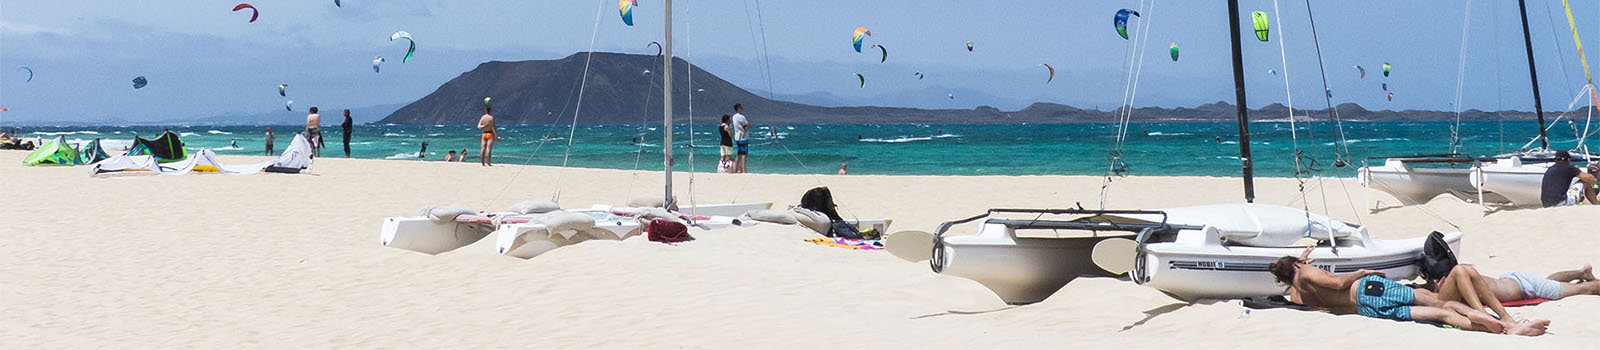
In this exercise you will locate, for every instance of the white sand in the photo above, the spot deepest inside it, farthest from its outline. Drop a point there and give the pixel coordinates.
(290, 261)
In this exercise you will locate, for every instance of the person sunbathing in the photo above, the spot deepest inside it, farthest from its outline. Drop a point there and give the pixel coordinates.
(1368, 293)
(1519, 285)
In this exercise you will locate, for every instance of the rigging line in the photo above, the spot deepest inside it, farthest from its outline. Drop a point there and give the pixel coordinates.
(578, 111)
(770, 94)
(1144, 45)
(1294, 132)
(1561, 54)
(1114, 149)
(1499, 93)
(543, 139)
(1461, 73)
(689, 54)
(1333, 113)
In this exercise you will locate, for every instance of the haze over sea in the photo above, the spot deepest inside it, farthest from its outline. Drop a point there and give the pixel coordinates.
(1071, 149)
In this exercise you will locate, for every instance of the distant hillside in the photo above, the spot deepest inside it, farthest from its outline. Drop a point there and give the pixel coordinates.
(620, 92)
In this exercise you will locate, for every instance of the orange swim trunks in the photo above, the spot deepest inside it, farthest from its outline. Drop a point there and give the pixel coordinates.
(488, 135)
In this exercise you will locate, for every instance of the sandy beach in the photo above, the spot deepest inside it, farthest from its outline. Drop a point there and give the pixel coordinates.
(293, 261)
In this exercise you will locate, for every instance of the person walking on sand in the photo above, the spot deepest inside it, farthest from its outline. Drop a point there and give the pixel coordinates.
(741, 138)
(270, 138)
(725, 148)
(1368, 293)
(314, 131)
(486, 124)
(348, 123)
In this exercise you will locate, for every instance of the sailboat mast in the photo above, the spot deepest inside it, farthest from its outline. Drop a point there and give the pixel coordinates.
(666, 107)
(1533, 73)
(1244, 112)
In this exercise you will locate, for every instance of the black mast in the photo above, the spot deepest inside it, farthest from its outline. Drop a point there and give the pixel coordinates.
(1244, 113)
(1527, 42)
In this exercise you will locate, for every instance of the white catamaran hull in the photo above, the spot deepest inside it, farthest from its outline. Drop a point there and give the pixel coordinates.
(1208, 269)
(1512, 181)
(1417, 185)
(418, 233)
(1020, 270)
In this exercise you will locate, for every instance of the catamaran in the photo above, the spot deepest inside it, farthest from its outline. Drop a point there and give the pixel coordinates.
(1202, 252)
(526, 235)
(1511, 179)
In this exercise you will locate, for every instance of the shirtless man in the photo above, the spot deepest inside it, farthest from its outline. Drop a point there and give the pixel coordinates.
(1518, 285)
(1368, 293)
(314, 132)
(486, 124)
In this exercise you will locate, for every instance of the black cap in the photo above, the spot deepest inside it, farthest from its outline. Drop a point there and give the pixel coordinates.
(1563, 155)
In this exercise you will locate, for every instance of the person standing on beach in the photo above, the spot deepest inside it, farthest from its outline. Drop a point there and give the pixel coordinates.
(270, 138)
(741, 138)
(346, 126)
(463, 156)
(424, 151)
(486, 124)
(314, 131)
(724, 163)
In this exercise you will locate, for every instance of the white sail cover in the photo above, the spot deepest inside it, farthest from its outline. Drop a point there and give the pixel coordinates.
(1262, 225)
(296, 158)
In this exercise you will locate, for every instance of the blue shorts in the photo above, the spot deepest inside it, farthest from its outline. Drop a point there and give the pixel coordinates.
(1378, 297)
(742, 147)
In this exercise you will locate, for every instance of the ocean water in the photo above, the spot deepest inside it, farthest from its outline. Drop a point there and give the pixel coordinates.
(1207, 149)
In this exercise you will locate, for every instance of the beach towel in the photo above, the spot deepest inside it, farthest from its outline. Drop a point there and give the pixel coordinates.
(1524, 302)
(848, 243)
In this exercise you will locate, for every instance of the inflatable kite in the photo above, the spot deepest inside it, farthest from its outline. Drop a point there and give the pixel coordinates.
(253, 12)
(1121, 21)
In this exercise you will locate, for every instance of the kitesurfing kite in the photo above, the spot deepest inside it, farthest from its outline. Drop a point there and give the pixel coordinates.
(253, 12)
(1260, 19)
(282, 89)
(139, 82)
(862, 78)
(486, 100)
(1386, 69)
(30, 73)
(1121, 21)
(861, 33)
(919, 75)
(410, 51)
(1391, 96)
(288, 105)
(1363, 71)
(1052, 72)
(885, 50)
(375, 62)
(1273, 72)
(951, 96)
(336, 3)
(1174, 47)
(625, 7)
(969, 45)
(658, 47)
(1385, 86)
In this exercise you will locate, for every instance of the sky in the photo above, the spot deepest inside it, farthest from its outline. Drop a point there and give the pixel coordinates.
(202, 59)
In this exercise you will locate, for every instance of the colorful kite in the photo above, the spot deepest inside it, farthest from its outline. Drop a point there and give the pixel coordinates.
(30, 73)
(253, 12)
(1052, 72)
(625, 7)
(1260, 19)
(1174, 48)
(658, 48)
(863, 79)
(1363, 71)
(410, 51)
(1121, 21)
(861, 33)
(139, 82)
(969, 46)
(283, 89)
(375, 62)
(885, 50)
(1386, 69)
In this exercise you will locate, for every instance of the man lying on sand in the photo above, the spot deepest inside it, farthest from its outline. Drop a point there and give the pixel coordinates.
(1368, 293)
(1518, 285)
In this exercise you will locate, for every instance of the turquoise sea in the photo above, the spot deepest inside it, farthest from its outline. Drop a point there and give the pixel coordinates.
(1077, 149)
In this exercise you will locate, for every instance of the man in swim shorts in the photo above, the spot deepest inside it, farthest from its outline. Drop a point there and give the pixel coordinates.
(314, 131)
(1368, 293)
(486, 124)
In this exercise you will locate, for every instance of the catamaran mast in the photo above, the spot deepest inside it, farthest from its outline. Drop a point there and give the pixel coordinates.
(1244, 112)
(666, 107)
(1533, 73)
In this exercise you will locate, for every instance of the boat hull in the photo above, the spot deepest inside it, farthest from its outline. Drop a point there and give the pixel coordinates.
(1020, 270)
(1214, 271)
(418, 233)
(1512, 182)
(1417, 185)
